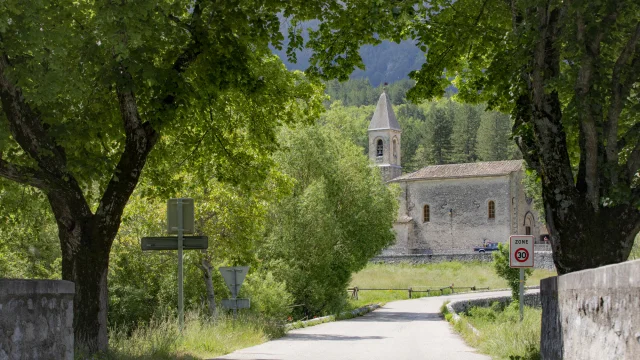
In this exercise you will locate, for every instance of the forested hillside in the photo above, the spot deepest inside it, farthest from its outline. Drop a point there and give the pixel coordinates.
(385, 62)
(438, 132)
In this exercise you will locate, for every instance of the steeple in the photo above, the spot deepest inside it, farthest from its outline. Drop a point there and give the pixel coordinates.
(384, 139)
(384, 117)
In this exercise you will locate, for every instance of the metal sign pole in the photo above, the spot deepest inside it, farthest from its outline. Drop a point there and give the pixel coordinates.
(235, 295)
(521, 294)
(180, 268)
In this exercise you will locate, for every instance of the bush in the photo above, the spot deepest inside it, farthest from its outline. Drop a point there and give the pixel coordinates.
(269, 297)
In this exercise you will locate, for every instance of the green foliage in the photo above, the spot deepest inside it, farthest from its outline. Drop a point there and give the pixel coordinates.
(359, 92)
(494, 138)
(29, 246)
(201, 339)
(269, 297)
(440, 132)
(511, 275)
(502, 335)
(337, 217)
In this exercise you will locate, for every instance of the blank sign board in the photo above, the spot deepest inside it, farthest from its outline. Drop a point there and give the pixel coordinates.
(171, 243)
(187, 216)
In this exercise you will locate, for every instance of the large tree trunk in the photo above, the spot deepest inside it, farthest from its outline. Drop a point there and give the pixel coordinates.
(211, 296)
(582, 238)
(586, 229)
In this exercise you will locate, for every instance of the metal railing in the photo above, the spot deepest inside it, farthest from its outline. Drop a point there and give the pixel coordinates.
(354, 291)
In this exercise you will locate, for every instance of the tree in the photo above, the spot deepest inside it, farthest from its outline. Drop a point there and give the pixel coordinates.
(88, 88)
(568, 72)
(493, 143)
(439, 137)
(338, 215)
(466, 121)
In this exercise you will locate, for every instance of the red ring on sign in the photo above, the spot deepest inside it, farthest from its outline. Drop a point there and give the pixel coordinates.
(526, 253)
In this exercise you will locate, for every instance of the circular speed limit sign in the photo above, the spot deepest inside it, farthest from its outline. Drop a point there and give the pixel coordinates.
(522, 255)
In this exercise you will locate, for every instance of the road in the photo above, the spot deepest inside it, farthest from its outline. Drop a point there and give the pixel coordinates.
(401, 330)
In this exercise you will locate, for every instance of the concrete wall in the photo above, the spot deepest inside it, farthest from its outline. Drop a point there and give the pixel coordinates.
(542, 260)
(592, 314)
(36, 319)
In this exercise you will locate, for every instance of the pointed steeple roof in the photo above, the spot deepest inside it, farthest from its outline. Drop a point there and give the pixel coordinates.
(383, 117)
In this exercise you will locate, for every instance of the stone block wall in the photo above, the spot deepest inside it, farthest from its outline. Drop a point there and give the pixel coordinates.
(592, 314)
(36, 319)
(462, 306)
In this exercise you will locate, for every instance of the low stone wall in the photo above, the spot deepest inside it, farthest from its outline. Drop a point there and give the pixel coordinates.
(36, 319)
(592, 314)
(542, 260)
(462, 306)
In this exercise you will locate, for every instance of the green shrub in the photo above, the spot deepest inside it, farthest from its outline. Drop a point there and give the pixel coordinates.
(512, 275)
(269, 297)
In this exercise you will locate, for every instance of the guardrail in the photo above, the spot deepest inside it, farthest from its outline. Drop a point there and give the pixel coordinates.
(354, 291)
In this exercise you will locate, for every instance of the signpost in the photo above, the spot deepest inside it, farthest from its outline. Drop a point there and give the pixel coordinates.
(521, 256)
(233, 277)
(180, 221)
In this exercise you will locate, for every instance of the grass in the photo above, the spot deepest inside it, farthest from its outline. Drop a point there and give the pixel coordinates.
(161, 339)
(502, 335)
(439, 275)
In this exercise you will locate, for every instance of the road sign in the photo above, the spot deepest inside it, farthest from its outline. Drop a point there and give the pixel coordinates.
(233, 304)
(188, 226)
(233, 277)
(521, 251)
(171, 243)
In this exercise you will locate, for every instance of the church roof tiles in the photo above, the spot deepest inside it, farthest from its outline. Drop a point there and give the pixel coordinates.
(479, 169)
(384, 117)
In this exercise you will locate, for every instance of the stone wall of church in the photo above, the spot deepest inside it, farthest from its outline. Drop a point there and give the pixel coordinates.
(458, 212)
(525, 215)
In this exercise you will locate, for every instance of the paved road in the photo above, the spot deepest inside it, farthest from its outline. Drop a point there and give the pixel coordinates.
(401, 330)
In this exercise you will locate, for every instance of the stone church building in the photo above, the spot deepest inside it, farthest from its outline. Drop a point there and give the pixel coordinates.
(450, 208)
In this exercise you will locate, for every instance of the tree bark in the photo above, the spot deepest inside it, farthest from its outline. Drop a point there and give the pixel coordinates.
(206, 268)
(586, 232)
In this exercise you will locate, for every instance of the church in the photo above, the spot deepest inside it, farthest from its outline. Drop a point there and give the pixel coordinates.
(450, 208)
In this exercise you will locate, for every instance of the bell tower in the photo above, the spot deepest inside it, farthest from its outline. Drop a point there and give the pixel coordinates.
(384, 139)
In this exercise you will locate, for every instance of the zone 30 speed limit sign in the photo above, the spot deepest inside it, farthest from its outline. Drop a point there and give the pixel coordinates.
(521, 251)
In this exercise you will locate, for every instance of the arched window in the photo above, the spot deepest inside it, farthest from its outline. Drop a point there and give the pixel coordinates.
(492, 210)
(528, 230)
(379, 148)
(395, 151)
(425, 214)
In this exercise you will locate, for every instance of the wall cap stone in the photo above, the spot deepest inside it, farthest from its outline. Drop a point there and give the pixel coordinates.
(31, 287)
(614, 276)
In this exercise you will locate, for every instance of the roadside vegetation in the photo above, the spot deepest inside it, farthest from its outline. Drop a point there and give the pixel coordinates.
(502, 335)
(431, 276)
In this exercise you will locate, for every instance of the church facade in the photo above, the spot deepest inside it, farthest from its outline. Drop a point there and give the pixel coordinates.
(450, 208)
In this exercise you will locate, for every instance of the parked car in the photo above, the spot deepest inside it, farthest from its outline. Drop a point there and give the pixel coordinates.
(488, 247)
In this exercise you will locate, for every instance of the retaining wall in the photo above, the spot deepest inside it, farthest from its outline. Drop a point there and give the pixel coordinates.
(592, 314)
(461, 306)
(36, 319)
(542, 259)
